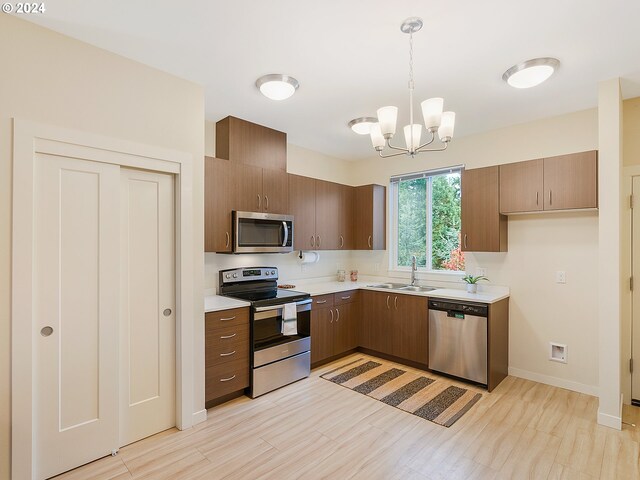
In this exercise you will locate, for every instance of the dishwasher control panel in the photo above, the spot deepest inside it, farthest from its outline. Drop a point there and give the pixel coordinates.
(454, 306)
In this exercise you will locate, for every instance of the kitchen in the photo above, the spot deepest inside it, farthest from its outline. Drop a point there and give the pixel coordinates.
(584, 244)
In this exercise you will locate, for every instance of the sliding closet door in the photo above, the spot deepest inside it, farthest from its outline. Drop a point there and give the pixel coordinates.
(76, 290)
(147, 305)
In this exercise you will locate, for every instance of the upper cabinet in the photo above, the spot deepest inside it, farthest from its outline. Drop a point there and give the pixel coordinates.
(370, 223)
(483, 228)
(218, 200)
(323, 214)
(564, 182)
(245, 142)
(258, 189)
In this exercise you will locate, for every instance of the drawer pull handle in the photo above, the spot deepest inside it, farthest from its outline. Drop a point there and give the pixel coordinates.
(227, 319)
(320, 302)
(224, 337)
(346, 298)
(227, 379)
(227, 354)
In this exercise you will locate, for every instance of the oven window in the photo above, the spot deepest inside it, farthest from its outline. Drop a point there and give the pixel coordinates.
(260, 233)
(267, 332)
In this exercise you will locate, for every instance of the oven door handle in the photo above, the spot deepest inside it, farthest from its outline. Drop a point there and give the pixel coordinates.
(280, 307)
(286, 233)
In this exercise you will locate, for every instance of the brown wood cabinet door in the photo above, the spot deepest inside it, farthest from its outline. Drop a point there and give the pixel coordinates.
(376, 323)
(302, 205)
(322, 334)
(410, 333)
(345, 327)
(483, 229)
(521, 187)
(347, 217)
(571, 181)
(217, 205)
(370, 233)
(249, 143)
(275, 191)
(247, 188)
(327, 215)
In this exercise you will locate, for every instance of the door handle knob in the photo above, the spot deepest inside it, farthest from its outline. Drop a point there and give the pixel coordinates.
(166, 312)
(46, 331)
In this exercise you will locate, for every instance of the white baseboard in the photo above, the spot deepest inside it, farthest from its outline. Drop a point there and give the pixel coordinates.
(609, 420)
(554, 381)
(199, 417)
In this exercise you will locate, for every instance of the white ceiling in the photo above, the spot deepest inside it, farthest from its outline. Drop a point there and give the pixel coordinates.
(351, 58)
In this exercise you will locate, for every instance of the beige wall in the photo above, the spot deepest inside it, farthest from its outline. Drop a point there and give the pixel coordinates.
(631, 131)
(539, 245)
(53, 79)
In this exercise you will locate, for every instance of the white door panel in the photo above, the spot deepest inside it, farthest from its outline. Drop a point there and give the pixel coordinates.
(635, 271)
(147, 305)
(76, 303)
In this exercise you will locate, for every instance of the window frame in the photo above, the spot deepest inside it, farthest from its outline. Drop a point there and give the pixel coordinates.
(393, 199)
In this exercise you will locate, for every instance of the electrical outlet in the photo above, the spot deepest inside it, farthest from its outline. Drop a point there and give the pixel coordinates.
(561, 276)
(376, 267)
(482, 272)
(557, 352)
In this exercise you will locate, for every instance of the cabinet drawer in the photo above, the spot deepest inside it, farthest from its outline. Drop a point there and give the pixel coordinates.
(345, 297)
(226, 378)
(227, 344)
(227, 318)
(322, 301)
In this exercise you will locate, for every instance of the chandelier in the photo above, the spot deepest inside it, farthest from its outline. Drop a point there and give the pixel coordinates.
(435, 120)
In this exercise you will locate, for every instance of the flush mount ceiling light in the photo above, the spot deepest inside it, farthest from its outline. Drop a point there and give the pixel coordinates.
(362, 125)
(277, 86)
(435, 120)
(531, 73)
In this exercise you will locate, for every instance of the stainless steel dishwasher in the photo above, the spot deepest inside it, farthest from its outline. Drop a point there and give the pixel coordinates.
(458, 338)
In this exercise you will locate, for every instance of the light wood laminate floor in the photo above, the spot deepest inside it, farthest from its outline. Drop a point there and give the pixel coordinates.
(315, 429)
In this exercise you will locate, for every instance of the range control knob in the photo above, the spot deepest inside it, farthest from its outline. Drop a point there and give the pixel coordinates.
(273, 272)
(228, 275)
(267, 273)
(235, 275)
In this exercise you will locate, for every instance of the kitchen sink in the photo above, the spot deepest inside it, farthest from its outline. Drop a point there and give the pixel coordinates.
(416, 288)
(403, 286)
(390, 286)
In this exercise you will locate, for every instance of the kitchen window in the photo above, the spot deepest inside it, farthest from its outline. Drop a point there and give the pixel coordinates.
(425, 220)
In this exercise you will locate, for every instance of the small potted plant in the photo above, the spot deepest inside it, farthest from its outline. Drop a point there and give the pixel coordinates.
(472, 282)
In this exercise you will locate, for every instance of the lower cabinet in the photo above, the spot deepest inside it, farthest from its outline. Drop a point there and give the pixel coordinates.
(395, 324)
(334, 325)
(226, 353)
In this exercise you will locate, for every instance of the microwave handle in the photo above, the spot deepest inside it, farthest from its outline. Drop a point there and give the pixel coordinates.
(286, 234)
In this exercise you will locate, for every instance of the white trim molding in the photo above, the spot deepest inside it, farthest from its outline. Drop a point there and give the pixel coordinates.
(30, 138)
(199, 417)
(554, 381)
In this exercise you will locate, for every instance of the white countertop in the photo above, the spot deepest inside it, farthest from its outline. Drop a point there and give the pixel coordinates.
(215, 303)
(488, 295)
(491, 294)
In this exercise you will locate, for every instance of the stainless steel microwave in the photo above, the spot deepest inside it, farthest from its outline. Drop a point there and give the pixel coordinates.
(257, 232)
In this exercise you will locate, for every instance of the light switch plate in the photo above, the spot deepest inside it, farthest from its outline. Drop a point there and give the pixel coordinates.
(561, 276)
(481, 272)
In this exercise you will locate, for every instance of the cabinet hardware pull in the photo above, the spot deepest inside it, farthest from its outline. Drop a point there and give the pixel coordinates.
(313, 241)
(259, 202)
(226, 245)
(224, 337)
(266, 202)
(388, 301)
(331, 321)
(321, 302)
(465, 240)
(369, 242)
(227, 354)
(338, 314)
(227, 319)
(550, 197)
(537, 198)
(395, 302)
(318, 242)
(341, 241)
(346, 298)
(227, 379)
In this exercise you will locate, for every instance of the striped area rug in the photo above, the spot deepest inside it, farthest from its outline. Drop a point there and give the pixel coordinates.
(436, 400)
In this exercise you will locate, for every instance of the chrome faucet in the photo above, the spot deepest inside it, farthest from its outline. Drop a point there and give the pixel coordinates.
(413, 270)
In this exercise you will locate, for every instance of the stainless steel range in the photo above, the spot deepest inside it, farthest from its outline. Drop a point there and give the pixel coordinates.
(279, 324)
